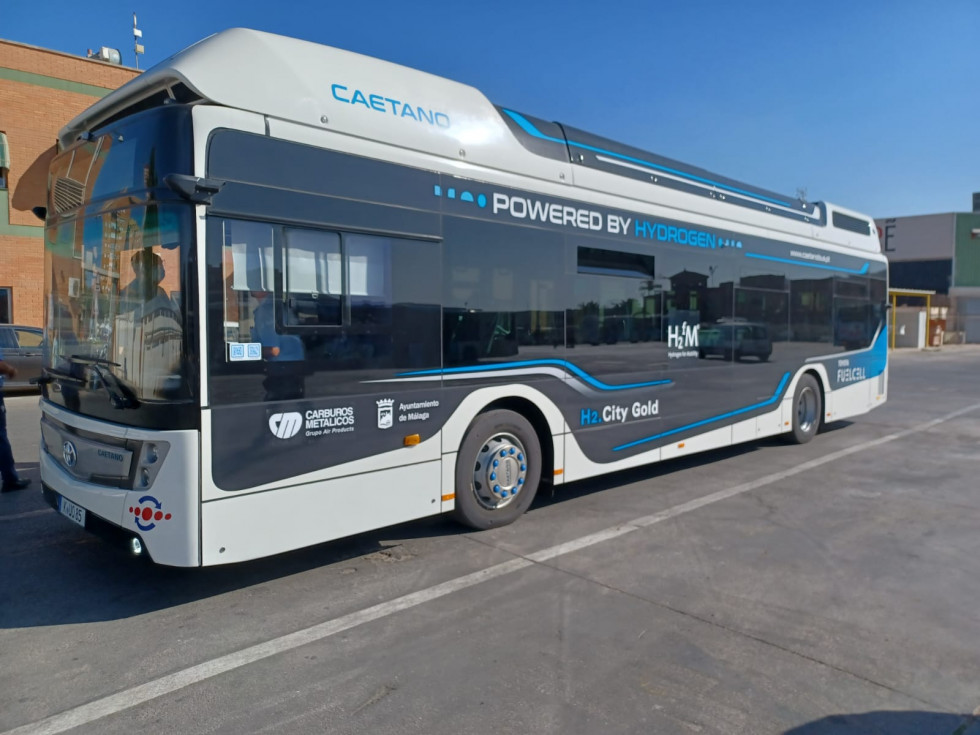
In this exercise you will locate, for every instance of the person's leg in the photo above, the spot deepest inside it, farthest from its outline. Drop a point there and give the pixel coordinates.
(7, 469)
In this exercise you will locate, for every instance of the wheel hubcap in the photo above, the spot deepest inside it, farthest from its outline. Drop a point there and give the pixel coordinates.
(500, 471)
(806, 410)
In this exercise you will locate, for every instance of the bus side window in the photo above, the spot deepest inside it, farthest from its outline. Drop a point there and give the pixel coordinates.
(247, 266)
(368, 260)
(312, 279)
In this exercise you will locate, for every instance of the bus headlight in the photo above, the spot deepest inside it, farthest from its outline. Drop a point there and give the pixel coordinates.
(151, 456)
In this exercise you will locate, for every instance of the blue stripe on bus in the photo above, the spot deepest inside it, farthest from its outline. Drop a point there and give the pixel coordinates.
(564, 364)
(862, 271)
(736, 412)
(529, 128)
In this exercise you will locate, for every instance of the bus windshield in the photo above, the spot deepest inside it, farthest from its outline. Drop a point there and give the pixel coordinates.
(115, 259)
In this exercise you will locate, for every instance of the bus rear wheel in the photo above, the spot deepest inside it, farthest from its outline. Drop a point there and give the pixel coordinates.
(807, 410)
(498, 469)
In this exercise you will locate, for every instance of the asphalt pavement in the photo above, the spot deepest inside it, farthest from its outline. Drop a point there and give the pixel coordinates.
(765, 588)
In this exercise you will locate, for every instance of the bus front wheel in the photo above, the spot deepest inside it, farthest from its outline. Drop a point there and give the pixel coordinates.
(807, 410)
(498, 468)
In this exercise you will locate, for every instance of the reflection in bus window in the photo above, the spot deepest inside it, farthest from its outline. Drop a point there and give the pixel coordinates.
(500, 306)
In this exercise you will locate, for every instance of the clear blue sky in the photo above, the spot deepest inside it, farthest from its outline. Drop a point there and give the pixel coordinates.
(873, 105)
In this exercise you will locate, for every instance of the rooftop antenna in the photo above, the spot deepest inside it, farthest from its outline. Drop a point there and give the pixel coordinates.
(137, 46)
(801, 194)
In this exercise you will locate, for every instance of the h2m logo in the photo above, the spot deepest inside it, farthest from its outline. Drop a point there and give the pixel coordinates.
(682, 336)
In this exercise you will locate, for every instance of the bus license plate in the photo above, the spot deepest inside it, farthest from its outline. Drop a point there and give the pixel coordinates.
(72, 512)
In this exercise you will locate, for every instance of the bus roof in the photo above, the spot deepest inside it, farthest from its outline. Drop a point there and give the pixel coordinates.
(344, 92)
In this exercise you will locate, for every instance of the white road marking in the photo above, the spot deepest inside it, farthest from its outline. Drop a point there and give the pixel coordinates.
(114, 703)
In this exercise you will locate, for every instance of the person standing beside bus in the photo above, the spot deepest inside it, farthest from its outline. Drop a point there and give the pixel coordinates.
(11, 481)
(275, 346)
(282, 353)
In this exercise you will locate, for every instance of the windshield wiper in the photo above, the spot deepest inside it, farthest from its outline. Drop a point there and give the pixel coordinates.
(119, 395)
(49, 375)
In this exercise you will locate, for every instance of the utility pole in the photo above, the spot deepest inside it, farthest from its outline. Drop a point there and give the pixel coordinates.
(137, 46)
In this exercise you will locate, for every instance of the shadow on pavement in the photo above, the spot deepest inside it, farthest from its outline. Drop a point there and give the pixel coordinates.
(835, 426)
(57, 574)
(64, 575)
(891, 723)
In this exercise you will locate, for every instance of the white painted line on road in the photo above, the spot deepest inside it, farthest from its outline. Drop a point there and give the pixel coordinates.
(114, 703)
(88, 713)
(581, 543)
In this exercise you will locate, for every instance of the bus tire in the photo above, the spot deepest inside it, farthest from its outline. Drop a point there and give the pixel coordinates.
(498, 469)
(807, 410)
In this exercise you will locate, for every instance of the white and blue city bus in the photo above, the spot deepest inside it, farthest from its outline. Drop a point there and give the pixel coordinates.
(294, 293)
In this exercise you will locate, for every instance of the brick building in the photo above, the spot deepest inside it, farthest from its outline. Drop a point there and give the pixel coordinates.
(40, 91)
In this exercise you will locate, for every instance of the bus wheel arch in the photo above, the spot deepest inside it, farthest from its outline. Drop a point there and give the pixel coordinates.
(807, 410)
(530, 411)
(499, 467)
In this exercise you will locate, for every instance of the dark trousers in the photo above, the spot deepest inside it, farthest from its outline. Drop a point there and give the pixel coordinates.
(6, 453)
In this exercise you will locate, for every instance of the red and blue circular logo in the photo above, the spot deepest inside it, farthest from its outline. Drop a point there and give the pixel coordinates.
(148, 513)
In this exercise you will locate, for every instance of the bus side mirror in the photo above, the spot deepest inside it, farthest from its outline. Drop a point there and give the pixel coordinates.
(192, 188)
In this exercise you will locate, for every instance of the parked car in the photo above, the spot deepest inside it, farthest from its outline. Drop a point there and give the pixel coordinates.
(21, 348)
(735, 340)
